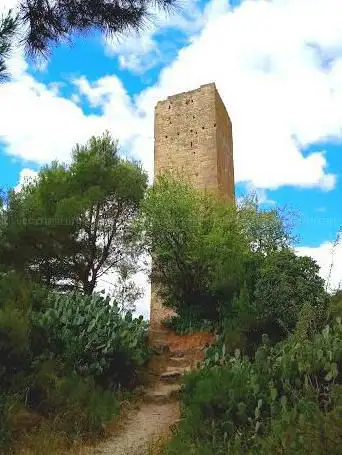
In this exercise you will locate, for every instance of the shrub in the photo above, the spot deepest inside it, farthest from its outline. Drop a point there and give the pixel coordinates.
(77, 406)
(6, 404)
(281, 402)
(63, 358)
(14, 344)
(91, 337)
(183, 326)
(285, 283)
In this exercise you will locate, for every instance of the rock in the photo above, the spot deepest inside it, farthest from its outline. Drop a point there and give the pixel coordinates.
(179, 362)
(161, 347)
(173, 373)
(162, 393)
(178, 354)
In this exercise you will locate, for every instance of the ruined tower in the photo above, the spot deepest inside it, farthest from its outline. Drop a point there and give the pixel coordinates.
(193, 136)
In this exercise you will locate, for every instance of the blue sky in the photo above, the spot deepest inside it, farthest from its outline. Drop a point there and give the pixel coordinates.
(283, 91)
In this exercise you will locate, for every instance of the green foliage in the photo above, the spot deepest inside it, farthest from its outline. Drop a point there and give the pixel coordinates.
(8, 28)
(267, 231)
(64, 357)
(91, 337)
(78, 406)
(183, 326)
(283, 290)
(14, 342)
(287, 400)
(6, 404)
(47, 24)
(74, 223)
(285, 283)
(19, 299)
(335, 305)
(196, 246)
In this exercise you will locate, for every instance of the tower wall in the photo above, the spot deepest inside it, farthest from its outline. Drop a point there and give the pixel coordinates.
(193, 136)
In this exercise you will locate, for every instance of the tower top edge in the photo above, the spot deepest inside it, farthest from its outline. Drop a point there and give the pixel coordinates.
(190, 92)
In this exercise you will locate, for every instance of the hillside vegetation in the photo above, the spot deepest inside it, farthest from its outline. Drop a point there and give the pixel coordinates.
(272, 383)
(69, 355)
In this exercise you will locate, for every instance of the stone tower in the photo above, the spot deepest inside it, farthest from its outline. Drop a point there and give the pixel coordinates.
(193, 136)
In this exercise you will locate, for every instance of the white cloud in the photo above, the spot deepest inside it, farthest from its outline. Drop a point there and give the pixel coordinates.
(141, 51)
(26, 176)
(329, 258)
(279, 95)
(277, 65)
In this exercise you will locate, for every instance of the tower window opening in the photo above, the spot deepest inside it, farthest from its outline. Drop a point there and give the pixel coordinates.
(214, 125)
(191, 144)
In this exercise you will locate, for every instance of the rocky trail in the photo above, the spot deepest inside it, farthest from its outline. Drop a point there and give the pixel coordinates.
(150, 421)
(159, 410)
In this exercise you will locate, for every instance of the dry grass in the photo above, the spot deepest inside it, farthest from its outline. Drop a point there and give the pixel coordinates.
(158, 445)
(44, 437)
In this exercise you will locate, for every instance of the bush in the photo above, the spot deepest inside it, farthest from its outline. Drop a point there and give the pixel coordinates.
(285, 283)
(63, 359)
(183, 326)
(91, 337)
(77, 406)
(6, 404)
(15, 355)
(283, 401)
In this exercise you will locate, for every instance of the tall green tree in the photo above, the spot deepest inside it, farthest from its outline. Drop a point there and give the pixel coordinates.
(196, 246)
(73, 224)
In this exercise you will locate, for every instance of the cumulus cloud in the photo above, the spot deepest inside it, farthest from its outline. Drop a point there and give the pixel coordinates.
(141, 51)
(26, 176)
(277, 66)
(329, 257)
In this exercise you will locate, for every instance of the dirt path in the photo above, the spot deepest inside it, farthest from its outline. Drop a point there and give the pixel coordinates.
(150, 421)
(160, 409)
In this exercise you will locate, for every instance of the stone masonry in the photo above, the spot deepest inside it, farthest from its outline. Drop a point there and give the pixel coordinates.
(193, 137)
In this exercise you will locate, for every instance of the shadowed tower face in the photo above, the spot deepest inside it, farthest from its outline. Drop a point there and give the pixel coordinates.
(193, 136)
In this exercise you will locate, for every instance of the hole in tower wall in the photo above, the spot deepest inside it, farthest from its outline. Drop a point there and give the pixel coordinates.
(165, 137)
(191, 144)
(214, 125)
(193, 116)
